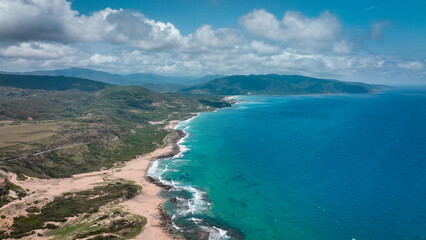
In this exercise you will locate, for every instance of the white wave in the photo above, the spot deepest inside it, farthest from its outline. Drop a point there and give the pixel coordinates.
(178, 160)
(179, 155)
(196, 220)
(154, 170)
(197, 203)
(183, 123)
(193, 205)
(216, 233)
(172, 183)
(183, 148)
(173, 223)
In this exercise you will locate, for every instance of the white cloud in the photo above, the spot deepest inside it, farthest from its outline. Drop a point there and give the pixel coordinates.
(341, 47)
(37, 50)
(323, 33)
(205, 37)
(138, 31)
(299, 27)
(102, 59)
(23, 20)
(263, 48)
(262, 23)
(246, 60)
(414, 66)
(54, 20)
(49, 34)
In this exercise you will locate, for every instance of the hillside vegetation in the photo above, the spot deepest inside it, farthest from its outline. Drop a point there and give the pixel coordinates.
(276, 85)
(153, 82)
(50, 83)
(105, 124)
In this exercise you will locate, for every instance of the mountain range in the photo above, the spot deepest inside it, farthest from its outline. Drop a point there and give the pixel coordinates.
(152, 82)
(270, 84)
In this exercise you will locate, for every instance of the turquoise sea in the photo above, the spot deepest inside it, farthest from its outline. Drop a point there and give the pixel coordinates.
(303, 167)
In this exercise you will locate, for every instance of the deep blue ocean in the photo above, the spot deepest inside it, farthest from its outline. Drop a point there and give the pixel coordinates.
(303, 167)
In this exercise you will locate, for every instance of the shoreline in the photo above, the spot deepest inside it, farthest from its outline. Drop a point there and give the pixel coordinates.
(204, 230)
(177, 136)
(147, 204)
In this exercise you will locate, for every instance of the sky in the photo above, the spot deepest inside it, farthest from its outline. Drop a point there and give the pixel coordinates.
(369, 41)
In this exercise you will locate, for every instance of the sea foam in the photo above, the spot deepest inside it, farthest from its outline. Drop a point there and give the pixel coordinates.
(197, 203)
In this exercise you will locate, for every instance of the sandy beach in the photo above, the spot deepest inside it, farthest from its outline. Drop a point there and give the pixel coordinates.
(147, 203)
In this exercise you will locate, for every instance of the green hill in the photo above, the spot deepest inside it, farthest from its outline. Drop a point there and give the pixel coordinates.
(273, 84)
(152, 82)
(85, 73)
(59, 126)
(59, 83)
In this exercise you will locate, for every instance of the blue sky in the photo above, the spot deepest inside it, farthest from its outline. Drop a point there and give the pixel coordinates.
(371, 41)
(406, 27)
